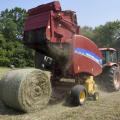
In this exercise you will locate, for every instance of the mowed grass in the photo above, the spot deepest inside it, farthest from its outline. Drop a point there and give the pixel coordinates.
(106, 108)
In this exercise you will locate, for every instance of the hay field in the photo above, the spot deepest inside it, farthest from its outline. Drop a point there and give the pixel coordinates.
(107, 108)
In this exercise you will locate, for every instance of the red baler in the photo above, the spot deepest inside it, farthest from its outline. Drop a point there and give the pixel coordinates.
(55, 36)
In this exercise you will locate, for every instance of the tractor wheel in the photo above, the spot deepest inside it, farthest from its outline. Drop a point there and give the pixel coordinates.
(78, 95)
(112, 79)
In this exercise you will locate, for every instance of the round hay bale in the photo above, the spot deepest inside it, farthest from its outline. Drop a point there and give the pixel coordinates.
(26, 89)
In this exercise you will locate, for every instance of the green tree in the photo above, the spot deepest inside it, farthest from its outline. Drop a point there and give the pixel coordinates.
(17, 15)
(12, 50)
(116, 38)
(9, 28)
(87, 31)
(2, 41)
(103, 34)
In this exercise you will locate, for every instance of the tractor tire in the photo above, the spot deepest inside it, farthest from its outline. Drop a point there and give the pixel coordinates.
(111, 79)
(78, 95)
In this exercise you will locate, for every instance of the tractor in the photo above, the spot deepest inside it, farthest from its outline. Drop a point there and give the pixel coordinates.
(110, 77)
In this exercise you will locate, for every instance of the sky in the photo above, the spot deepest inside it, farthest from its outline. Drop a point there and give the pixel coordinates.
(89, 12)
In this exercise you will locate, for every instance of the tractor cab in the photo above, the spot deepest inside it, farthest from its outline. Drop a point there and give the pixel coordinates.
(110, 56)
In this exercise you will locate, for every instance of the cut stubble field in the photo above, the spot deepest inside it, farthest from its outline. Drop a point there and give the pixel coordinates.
(106, 108)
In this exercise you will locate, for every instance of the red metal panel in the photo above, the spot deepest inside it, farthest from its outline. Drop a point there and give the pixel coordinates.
(62, 26)
(88, 62)
(37, 21)
(45, 7)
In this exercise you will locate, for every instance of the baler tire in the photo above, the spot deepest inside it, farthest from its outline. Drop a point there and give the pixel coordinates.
(112, 83)
(76, 92)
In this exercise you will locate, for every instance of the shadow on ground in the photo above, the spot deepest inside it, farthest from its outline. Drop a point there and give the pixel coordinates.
(4, 110)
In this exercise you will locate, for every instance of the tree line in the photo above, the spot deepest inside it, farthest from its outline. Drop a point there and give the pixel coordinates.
(13, 52)
(107, 35)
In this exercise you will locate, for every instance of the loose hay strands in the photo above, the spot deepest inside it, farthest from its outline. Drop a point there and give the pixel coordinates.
(26, 89)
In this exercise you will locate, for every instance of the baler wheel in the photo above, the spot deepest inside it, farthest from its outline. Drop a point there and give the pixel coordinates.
(78, 95)
(112, 79)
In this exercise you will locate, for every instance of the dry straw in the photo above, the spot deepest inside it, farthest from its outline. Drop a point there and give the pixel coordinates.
(26, 89)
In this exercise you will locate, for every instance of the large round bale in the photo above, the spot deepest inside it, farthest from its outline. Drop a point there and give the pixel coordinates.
(26, 89)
